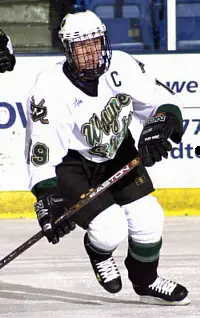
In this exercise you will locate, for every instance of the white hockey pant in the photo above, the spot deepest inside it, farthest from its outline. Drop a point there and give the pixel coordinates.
(142, 221)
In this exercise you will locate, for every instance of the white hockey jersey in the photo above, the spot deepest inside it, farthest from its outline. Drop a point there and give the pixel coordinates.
(61, 117)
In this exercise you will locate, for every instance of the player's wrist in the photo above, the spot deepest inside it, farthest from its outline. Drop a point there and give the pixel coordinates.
(170, 109)
(45, 187)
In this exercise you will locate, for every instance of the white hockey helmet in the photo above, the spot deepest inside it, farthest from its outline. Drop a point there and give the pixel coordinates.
(79, 27)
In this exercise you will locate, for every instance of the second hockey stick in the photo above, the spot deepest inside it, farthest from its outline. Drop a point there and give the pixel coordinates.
(85, 199)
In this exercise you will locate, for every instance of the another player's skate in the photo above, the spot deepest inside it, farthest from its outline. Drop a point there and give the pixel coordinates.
(163, 292)
(104, 267)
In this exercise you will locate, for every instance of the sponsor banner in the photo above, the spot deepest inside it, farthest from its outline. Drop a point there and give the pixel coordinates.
(180, 72)
(179, 171)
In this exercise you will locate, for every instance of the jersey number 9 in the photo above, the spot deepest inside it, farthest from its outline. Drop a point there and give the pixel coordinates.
(40, 154)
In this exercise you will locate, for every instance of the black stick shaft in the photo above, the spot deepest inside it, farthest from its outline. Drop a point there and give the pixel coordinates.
(85, 199)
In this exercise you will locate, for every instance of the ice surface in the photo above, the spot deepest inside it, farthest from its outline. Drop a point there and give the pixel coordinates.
(57, 281)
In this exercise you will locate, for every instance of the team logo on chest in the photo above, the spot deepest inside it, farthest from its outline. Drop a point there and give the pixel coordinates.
(108, 123)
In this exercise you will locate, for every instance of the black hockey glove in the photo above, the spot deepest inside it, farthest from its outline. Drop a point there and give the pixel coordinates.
(48, 209)
(153, 142)
(7, 60)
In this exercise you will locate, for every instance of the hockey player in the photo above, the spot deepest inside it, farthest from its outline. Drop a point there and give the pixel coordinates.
(7, 58)
(80, 113)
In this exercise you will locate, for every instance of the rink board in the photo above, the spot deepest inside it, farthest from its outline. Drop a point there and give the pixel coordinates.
(176, 202)
(177, 179)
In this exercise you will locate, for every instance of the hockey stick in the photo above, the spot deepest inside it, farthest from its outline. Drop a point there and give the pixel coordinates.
(85, 199)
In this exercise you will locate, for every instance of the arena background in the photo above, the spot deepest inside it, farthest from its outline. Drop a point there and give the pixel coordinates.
(161, 34)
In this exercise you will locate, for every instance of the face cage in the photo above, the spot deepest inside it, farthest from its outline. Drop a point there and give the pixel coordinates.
(104, 61)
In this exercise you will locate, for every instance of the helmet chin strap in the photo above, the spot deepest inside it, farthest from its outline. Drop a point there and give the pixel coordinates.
(91, 74)
(89, 87)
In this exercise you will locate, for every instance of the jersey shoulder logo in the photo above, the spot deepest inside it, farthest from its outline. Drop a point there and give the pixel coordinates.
(38, 111)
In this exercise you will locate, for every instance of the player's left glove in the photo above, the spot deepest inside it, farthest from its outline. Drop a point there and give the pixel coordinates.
(48, 209)
(153, 142)
(7, 60)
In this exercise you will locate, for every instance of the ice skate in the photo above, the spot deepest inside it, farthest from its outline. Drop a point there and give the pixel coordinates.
(163, 292)
(105, 268)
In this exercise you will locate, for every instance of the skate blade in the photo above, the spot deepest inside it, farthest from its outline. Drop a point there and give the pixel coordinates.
(158, 301)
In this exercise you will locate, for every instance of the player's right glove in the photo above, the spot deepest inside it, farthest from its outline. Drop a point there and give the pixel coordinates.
(7, 60)
(153, 142)
(48, 209)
